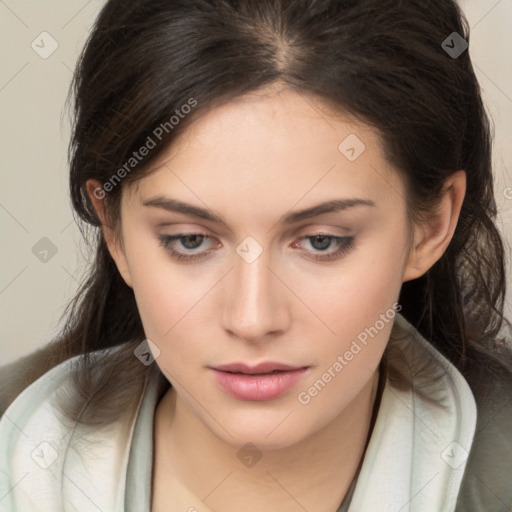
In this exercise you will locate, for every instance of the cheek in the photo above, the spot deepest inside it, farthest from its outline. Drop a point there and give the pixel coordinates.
(168, 306)
(357, 303)
(353, 295)
(164, 293)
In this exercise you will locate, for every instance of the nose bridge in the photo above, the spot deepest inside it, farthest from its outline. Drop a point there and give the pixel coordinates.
(255, 306)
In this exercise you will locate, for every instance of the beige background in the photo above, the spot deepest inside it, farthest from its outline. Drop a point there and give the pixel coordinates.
(34, 133)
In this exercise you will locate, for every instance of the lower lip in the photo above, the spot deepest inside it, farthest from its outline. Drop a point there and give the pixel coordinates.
(258, 387)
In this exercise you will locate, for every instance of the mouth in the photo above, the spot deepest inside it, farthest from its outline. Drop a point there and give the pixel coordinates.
(264, 381)
(259, 369)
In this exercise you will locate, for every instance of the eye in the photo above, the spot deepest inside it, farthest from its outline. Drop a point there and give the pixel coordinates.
(321, 243)
(189, 241)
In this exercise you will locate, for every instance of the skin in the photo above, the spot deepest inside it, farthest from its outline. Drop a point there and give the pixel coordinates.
(251, 161)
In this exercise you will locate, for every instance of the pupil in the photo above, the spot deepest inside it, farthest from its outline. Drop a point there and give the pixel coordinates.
(325, 239)
(187, 239)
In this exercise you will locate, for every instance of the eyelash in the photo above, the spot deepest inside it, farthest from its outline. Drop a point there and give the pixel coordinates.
(345, 243)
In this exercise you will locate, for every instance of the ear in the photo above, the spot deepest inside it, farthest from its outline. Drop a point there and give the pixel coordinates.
(433, 236)
(112, 239)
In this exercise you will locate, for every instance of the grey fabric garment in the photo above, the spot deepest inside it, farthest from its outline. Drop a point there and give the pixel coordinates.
(487, 481)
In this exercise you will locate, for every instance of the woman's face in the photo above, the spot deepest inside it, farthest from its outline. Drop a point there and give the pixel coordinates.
(293, 249)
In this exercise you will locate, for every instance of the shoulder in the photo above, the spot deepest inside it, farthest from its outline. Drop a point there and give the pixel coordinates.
(18, 375)
(13, 379)
(30, 433)
(487, 387)
(16, 385)
(487, 479)
(42, 450)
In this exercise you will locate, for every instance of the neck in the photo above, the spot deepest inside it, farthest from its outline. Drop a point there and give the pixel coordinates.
(200, 471)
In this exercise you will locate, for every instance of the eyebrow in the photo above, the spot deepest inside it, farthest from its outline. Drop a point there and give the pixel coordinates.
(333, 206)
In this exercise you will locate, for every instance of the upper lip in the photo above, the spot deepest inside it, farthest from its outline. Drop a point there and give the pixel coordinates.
(266, 367)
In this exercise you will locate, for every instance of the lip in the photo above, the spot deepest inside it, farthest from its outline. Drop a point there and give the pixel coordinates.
(265, 367)
(257, 383)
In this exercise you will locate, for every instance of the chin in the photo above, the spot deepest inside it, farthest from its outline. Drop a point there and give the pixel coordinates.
(272, 431)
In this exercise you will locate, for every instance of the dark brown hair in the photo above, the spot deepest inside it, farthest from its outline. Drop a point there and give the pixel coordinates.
(381, 61)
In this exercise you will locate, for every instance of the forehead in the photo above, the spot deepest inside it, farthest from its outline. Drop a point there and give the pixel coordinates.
(274, 145)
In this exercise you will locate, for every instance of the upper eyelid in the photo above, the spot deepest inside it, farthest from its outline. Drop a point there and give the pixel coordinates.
(303, 230)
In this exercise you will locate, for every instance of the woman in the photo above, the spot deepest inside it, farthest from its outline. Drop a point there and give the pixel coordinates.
(297, 296)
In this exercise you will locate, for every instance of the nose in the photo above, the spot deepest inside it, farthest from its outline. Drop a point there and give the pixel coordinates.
(256, 305)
